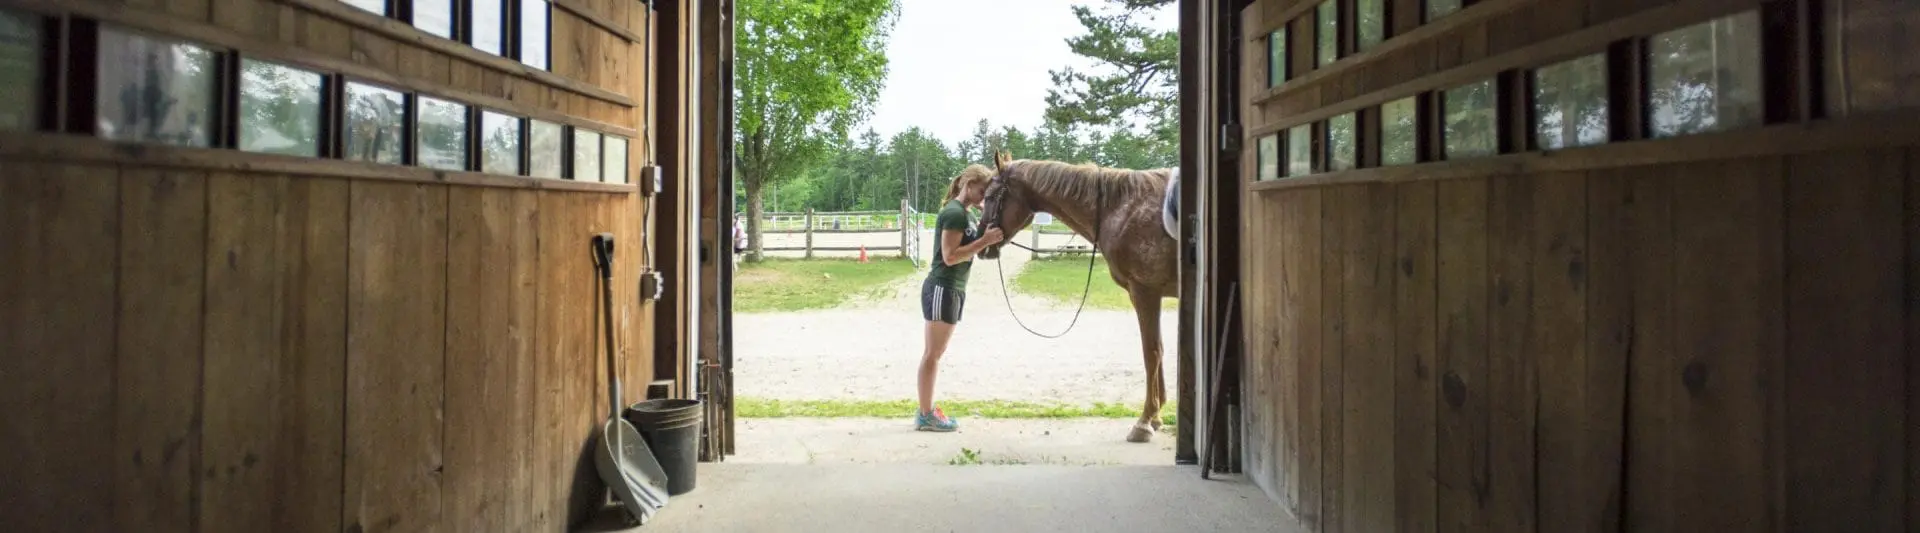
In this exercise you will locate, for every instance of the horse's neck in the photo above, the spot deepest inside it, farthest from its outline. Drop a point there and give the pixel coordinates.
(1084, 215)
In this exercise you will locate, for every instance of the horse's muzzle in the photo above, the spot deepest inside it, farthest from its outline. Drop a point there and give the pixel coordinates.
(991, 252)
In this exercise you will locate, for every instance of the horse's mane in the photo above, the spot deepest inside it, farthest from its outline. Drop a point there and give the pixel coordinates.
(1089, 181)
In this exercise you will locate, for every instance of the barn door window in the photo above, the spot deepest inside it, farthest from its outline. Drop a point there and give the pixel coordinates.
(1343, 151)
(1372, 21)
(535, 17)
(613, 159)
(500, 143)
(1300, 150)
(1878, 42)
(377, 7)
(1326, 33)
(280, 109)
(1400, 132)
(586, 155)
(442, 133)
(1472, 120)
(22, 53)
(435, 17)
(1277, 57)
(1268, 158)
(1441, 8)
(1570, 103)
(1705, 77)
(489, 31)
(156, 90)
(375, 125)
(546, 150)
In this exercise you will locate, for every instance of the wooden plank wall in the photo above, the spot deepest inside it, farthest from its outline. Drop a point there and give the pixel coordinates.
(1688, 347)
(197, 344)
(1672, 341)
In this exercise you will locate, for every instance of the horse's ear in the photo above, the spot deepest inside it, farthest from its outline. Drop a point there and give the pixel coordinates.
(1000, 160)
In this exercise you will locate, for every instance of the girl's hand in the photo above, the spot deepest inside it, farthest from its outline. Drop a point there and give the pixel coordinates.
(992, 235)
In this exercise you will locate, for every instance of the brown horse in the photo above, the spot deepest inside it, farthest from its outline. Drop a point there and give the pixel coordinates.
(1119, 211)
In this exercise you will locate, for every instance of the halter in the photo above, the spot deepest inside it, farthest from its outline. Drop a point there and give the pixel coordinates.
(990, 218)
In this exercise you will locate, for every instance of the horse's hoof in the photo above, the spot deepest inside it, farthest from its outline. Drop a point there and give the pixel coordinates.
(1140, 434)
(1156, 424)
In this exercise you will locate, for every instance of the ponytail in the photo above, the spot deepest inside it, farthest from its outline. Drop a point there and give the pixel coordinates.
(973, 173)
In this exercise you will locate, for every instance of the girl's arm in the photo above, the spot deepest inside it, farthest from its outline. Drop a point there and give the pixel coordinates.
(955, 253)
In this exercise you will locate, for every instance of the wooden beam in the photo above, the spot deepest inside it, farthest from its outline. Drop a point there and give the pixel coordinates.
(401, 31)
(1590, 40)
(1883, 130)
(28, 146)
(208, 34)
(579, 9)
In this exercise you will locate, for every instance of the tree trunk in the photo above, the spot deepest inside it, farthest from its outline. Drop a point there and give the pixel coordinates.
(754, 210)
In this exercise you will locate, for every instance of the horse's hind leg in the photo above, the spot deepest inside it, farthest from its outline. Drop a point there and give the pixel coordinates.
(1146, 307)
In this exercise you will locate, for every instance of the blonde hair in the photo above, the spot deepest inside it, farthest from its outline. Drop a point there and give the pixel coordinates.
(975, 172)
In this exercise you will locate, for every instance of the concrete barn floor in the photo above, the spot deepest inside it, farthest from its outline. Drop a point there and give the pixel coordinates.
(852, 498)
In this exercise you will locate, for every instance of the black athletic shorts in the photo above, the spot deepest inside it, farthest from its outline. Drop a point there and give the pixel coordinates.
(941, 303)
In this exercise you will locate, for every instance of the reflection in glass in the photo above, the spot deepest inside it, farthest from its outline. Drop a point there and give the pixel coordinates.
(1441, 8)
(1570, 103)
(586, 155)
(156, 90)
(1328, 33)
(1373, 23)
(442, 134)
(613, 167)
(1881, 72)
(533, 33)
(1300, 150)
(1277, 57)
(1399, 135)
(1269, 158)
(20, 51)
(434, 16)
(377, 7)
(499, 144)
(1705, 77)
(1472, 121)
(487, 30)
(1341, 143)
(375, 121)
(279, 109)
(545, 150)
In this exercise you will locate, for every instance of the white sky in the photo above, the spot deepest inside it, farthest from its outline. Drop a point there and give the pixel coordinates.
(954, 62)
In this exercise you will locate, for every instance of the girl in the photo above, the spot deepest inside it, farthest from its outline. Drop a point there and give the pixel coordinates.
(944, 293)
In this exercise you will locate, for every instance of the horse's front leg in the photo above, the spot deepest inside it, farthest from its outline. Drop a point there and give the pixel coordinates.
(1146, 307)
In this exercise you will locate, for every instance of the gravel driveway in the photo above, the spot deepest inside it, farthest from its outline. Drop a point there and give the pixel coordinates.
(870, 350)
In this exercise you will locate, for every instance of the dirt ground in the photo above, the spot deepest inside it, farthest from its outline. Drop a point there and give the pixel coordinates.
(870, 350)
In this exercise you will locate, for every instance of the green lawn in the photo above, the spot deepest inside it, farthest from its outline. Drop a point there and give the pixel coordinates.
(1063, 277)
(767, 408)
(803, 284)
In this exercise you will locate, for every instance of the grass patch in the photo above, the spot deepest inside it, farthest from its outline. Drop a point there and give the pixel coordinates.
(1063, 278)
(768, 408)
(804, 284)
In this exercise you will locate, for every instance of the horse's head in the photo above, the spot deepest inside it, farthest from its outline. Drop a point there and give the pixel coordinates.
(1006, 206)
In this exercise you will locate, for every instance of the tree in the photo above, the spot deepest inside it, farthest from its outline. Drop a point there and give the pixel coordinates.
(808, 70)
(1136, 87)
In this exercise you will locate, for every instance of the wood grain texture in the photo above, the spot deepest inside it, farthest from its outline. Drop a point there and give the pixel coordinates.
(1567, 499)
(163, 238)
(567, 406)
(1913, 338)
(395, 348)
(490, 338)
(1367, 384)
(1261, 415)
(1463, 289)
(1629, 250)
(1302, 309)
(57, 328)
(1416, 391)
(1339, 234)
(275, 372)
(1728, 321)
(1845, 278)
(1511, 361)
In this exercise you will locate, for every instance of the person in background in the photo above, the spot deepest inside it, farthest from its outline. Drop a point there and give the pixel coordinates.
(739, 239)
(944, 293)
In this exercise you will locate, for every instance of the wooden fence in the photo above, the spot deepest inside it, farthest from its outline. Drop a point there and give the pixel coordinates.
(906, 223)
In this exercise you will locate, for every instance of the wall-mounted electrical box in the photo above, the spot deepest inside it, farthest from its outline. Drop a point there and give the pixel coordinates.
(652, 286)
(650, 180)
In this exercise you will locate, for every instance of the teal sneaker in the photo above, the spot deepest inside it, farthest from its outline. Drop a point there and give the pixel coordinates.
(935, 421)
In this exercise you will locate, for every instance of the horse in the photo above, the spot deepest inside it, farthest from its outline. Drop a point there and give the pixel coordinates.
(1125, 214)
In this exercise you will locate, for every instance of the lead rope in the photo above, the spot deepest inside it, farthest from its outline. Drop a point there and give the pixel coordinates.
(1099, 212)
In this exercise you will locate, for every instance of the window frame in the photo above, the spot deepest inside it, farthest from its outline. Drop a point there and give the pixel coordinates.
(325, 136)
